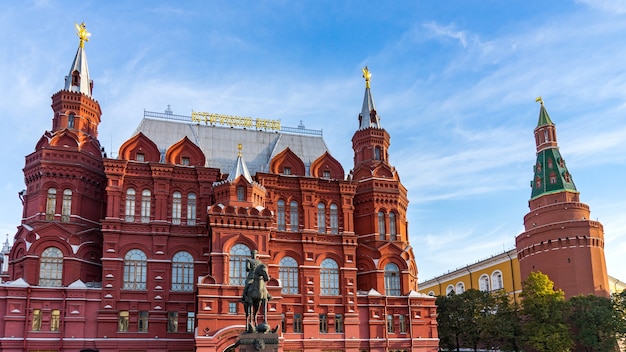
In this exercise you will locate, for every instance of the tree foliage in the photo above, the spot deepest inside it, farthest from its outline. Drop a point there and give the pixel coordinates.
(595, 322)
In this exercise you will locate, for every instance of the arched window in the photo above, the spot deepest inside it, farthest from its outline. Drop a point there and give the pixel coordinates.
(191, 209)
(376, 153)
(176, 207)
(51, 267)
(66, 209)
(288, 274)
(130, 205)
(381, 225)
(293, 216)
(449, 290)
(51, 204)
(483, 283)
(334, 219)
(239, 253)
(460, 288)
(70, 120)
(182, 272)
(321, 218)
(329, 278)
(145, 205)
(496, 280)
(280, 215)
(135, 265)
(392, 280)
(392, 226)
(241, 193)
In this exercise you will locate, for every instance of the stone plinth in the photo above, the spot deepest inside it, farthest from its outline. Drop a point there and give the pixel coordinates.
(256, 341)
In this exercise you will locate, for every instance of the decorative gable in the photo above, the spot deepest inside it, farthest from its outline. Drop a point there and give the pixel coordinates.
(185, 152)
(140, 148)
(327, 167)
(287, 163)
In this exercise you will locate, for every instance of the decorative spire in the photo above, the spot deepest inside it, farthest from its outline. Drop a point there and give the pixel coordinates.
(368, 116)
(544, 118)
(78, 78)
(240, 168)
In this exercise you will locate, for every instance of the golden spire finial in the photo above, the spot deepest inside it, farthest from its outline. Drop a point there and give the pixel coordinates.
(81, 32)
(367, 75)
(539, 100)
(239, 146)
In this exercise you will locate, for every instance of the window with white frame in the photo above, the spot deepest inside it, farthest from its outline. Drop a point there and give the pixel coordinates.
(51, 204)
(460, 288)
(392, 226)
(334, 219)
(381, 225)
(449, 290)
(51, 267)
(293, 216)
(191, 209)
(321, 218)
(182, 272)
(483, 283)
(146, 196)
(392, 280)
(496, 280)
(239, 253)
(66, 208)
(329, 278)
(288, 274)
(280, 215)
(135, 265)
(129, 212)
(176, 207)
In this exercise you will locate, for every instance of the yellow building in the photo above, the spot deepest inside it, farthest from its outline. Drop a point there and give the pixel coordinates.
(500, 271)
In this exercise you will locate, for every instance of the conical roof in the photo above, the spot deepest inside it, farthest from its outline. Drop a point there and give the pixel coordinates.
(239, 169)
(78, 79)
(368, 116)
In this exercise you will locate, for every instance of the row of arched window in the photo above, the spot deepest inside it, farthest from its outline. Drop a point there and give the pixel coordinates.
(485, 283)
(135, 270)
(66, 205)
(292, 213)
(146, 208)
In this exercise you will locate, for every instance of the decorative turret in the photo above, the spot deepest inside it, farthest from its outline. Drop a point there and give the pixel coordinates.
(239, 189)
(78, 78)
(240, 168)
(559, 238)
(368, 116)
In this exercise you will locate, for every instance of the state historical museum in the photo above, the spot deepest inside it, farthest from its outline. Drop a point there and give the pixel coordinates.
(147, 251)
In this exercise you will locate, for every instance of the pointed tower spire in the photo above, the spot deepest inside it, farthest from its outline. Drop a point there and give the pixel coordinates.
(368, 116)
(78, 78)
(551, 174)
(240, 168)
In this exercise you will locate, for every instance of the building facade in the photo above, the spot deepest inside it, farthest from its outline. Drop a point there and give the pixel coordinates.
(147, 251)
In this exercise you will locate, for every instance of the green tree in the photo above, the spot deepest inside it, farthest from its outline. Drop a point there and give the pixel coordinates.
(595, 322)
(619, 306)
(501, 329)
(448, 321)
(544, 326)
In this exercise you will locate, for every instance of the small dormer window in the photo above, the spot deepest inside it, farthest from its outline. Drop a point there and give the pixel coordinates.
(140, 157)
(241, 194)
(75, 78)
(185, 161)
(70, 121)
(286, 170)
(326, 174)
(377, 153)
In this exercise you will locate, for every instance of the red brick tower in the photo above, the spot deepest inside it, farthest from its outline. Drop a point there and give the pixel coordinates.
(64, 199)
(380, 204)
(560, 240)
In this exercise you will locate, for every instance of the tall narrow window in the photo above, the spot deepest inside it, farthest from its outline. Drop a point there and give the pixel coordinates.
(381, 225)
(191, 209)
(293, 216)
(288, 274)
(392, 280)
(237, 264)
(36, 324)
(66, 209)
(323, 323)
(135, 265)
(55, 320)
(191, 321)
(496, 280)
(176, 205)
(280, 215)
(321, 218)
(51, 267)
(182, 272)
(145, 205)
(130, 205)
(142, 322)
(297, 323)
(329, 278)
(376, 153)
(241, 193)
(460, 288)
(402, 323)
(338, 323)
(51, 204)
(70, 120)
(392, 226)
(483, 283)
(172, 321)
(390, 324)
(122, 321)
(334, 219)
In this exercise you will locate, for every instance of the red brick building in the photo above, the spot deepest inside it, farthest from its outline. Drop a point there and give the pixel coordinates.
(560, 240)
(146, 251)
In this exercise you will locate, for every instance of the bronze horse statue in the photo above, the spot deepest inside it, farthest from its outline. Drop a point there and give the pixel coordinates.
(254, 295)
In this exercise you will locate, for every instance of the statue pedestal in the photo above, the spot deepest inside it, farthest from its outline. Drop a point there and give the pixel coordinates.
(256, 341)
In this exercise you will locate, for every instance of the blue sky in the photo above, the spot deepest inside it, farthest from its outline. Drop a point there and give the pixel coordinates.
(454, 82)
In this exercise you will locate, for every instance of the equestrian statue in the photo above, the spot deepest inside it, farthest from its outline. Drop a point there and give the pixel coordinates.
(255, 293)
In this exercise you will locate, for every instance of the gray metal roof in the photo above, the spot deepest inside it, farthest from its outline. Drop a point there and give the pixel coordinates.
(219, 144)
